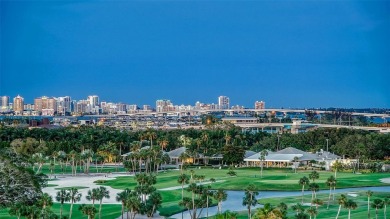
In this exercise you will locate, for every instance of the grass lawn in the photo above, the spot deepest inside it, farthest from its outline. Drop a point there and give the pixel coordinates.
(359, 213)
(109, 211)
(274, 179)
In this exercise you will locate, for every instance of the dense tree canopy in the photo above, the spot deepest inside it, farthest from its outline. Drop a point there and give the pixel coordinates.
(109, 142)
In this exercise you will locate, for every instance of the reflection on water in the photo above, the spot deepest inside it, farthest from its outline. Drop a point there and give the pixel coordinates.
(234, 200)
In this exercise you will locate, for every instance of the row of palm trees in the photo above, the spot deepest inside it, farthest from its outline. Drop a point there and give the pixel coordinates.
(73, 196)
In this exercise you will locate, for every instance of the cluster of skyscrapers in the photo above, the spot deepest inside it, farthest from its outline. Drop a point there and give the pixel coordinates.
(50, 106)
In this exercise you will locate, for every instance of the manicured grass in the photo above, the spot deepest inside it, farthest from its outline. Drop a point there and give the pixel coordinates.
(273, 179)
(109, 211)
(359, 213)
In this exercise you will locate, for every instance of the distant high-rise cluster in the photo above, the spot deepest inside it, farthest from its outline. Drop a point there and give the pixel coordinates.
(50, 106)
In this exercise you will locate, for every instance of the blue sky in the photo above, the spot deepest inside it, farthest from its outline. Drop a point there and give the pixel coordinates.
(287, 53)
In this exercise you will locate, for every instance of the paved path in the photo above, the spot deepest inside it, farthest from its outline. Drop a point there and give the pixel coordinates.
(185, 186)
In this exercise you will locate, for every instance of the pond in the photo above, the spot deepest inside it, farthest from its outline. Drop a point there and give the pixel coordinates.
(234, 199)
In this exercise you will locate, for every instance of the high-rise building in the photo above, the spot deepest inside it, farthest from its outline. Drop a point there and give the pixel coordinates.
(164, 106)
(93, 101)
(146, 107)
(223, 102)
(64, 105)
(4, 103)
(18, 105)
(46, 105)
(259, 105)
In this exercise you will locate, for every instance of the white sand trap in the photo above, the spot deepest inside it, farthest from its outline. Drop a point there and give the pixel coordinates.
(385, 180)
(84, 181)
(352, 194)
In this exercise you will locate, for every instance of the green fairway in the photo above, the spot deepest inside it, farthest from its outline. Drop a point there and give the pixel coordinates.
(359, 213)
(273, 179)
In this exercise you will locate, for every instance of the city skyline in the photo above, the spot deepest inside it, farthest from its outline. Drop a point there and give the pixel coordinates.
(301, 54)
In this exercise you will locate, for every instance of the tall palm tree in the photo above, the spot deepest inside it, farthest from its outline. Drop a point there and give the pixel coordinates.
(208, 194)
(296, 163)
(298, 208)
(386, 202)
(263, 154)
(133, 204)
(62, 196)
(102, 193)
(45, 200)
(377, 204)
(317, 202)
(369, 194)
(220, 195)
(342, 200)
(314, 187)
(350, 205)
(75, 196)
(249, 199)
(314, 175)
(93, 195)
(303, 181)
(122, 197)
(330, 182)
(312, 212)
(88, 210)
(183, 179)
(337, 166)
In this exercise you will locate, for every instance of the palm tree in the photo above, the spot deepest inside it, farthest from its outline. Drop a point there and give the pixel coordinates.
(133, 204)
(250, 198)
(342, 200)
(369, 194)
(337, 166)
(298, 208)
(314, 187)
(314, 175)
(93, 195)
(331, 181)
(303, 181)
(122, 197)
(386, 202)
(312, 212)
(283, 208)
(75, 196)
(317, 202)
(62, 196)
(220, 195)
(350, 205)
(268, 212)
(88, 210)
(377, 204)
(296, 163)
(263, 154)
(102, 193)
(45, 200)
(183, 179)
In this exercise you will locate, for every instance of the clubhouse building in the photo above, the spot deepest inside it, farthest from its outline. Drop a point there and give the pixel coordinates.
(291, 156)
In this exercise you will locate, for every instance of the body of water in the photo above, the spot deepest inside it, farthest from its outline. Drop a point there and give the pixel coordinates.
(234, 199)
